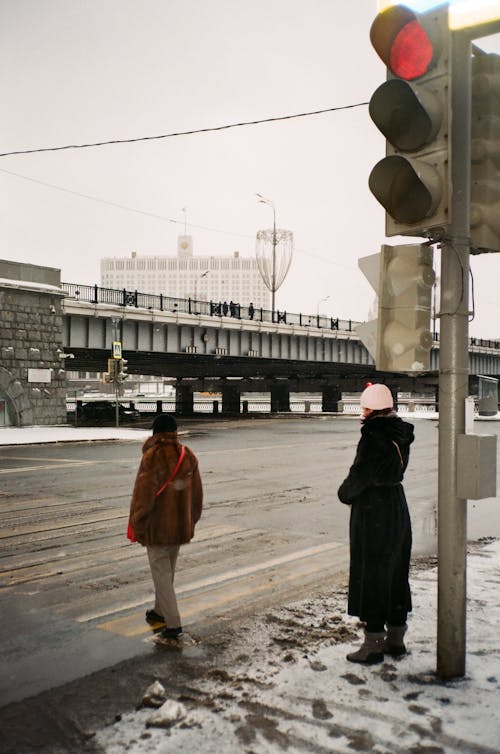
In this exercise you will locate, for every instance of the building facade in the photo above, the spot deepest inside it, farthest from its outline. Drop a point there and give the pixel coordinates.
(205, 278)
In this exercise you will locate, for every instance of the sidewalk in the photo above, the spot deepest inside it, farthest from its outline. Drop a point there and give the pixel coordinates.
(283, 684)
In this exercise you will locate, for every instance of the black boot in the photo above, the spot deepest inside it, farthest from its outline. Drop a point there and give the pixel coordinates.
(371, 651)
(394, 644)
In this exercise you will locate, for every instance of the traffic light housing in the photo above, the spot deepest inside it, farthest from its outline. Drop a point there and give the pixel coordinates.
(122, 372)
(404, 338)
(411, 109)
(485, 153)
(110, 375)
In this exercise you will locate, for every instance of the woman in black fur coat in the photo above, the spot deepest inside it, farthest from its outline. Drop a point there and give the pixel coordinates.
(380, 528)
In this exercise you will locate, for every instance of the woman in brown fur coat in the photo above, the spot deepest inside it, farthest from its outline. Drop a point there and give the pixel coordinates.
(163, 517)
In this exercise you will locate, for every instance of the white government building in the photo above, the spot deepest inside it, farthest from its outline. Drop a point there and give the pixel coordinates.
(205, 278)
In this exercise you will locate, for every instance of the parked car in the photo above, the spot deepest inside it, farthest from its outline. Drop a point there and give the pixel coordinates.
(99, 412)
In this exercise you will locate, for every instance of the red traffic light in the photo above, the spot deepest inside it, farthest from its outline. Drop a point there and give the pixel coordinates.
(403, 42)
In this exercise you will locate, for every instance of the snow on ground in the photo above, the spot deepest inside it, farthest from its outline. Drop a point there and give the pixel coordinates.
(284, 685)
(65, 433)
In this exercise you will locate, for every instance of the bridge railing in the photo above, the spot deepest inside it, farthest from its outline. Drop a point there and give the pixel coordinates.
(262, 404)
(95, 294)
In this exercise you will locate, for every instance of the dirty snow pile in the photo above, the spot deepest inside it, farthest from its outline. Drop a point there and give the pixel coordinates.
(284, 685)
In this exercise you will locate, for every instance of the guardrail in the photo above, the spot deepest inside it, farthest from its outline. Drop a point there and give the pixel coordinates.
(94, 294)
(207, 406)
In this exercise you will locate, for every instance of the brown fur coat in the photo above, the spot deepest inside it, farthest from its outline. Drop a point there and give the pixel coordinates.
(170, 518)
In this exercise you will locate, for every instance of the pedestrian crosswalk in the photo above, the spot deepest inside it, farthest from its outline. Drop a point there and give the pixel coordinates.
(221, 591)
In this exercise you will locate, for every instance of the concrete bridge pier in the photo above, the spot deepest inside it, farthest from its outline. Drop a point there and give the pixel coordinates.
(184, 401)
(331, 398)
(280, 398)
(230, 399)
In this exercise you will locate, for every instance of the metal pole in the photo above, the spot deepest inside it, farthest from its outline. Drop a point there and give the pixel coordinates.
(115, 378)
(454, 373)
(273, 281)
(117, 409)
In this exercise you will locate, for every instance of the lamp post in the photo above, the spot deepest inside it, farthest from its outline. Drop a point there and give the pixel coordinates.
(263, 200)
(273, 251)
(203, 275)
(321, 301)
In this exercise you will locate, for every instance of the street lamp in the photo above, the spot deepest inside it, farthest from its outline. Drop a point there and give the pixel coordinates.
(203, 275)
(281, 242)
(321, 301)
(263, 200)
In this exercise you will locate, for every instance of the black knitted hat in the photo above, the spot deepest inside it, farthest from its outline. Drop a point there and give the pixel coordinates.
(164, 423)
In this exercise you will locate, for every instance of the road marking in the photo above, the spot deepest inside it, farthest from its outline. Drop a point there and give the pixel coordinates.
(56, 460)
(29, 571)
(192, 603)
(52, 527)
(250, 448)
(57, 464)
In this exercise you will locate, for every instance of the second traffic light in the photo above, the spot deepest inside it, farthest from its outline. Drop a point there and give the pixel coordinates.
(411, 109)
(485, 153)
(404, 339)
(122, 372)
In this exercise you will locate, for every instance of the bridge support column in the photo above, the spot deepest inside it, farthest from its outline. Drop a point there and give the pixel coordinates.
(394, 392)
(331, 399)
(184, 400)
(280, 398)
(230, 399)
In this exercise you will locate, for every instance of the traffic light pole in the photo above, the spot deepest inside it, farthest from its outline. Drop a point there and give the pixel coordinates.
(454, 373)
(117, 402)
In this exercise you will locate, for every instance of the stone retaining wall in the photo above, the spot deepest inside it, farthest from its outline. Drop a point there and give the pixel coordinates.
(32, 374)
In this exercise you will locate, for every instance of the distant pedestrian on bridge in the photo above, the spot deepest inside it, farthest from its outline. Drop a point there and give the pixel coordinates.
(166, 505)
(380, 528)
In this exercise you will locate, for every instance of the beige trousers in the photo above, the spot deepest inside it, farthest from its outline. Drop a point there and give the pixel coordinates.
(162, 560)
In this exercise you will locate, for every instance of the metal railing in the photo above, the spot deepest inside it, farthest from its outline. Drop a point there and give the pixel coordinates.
(260, 405)
(94, 294)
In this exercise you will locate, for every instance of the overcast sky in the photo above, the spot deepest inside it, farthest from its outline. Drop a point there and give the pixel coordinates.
(80, 71)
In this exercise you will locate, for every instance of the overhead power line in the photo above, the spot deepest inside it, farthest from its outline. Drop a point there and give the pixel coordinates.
(157, 216)
(181, 133)
(91, 198)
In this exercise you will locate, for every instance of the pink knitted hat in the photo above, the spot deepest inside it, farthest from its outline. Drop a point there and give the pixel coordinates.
(376, 397)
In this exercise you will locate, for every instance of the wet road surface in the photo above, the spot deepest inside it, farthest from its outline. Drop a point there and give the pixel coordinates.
(75, 591)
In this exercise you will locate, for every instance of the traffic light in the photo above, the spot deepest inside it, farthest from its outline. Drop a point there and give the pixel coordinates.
(122, 373)
(411, 109)
(110, 375)
(485, 153)
(404, 339)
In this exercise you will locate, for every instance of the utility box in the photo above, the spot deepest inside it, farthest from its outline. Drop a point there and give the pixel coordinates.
(476, 466)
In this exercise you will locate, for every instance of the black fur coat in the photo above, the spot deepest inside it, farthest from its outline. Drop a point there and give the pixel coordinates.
(380, 528)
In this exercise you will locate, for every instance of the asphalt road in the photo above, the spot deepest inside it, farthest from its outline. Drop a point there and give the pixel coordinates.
(73, 590)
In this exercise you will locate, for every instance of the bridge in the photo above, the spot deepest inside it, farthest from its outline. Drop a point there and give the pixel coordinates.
(198, 343)
(241, 350)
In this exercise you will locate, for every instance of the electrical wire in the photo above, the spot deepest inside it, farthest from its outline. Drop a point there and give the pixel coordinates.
(449, 242)
(472, 314)
(156, 216)
(119, 206)
(181, 133)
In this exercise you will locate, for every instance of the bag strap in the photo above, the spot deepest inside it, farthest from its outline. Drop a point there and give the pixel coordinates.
(174, 472)
(399, 452)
